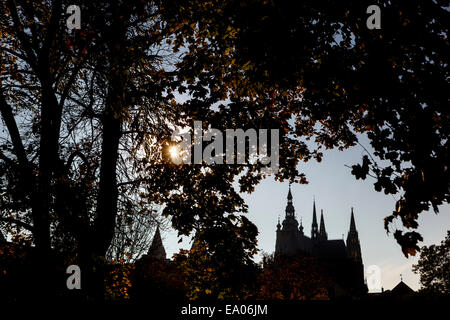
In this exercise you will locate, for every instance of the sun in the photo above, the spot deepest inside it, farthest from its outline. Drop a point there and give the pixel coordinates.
(174, 152)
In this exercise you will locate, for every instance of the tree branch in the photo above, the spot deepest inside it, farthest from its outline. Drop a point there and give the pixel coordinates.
(129, 182)
(18, 222)
(8, 117)
(6, 159)
(32, 60)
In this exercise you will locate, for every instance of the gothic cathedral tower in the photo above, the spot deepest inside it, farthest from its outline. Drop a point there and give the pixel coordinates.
(353, 246)
(314, 227)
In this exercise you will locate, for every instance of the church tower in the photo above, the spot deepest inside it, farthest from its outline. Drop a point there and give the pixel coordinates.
(157, 250)
(288, 233)
(314, 228)
(290, 210)
(353, 246)
(301, 228)
(290, 223)
(322, 232)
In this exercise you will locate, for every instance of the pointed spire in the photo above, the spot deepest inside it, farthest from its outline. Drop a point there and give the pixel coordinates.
(322, 232)
(314, 229)
(278, 224)
(352, 223)
(314, 214)
(157, 250)
(353, 246)
(290, 210)
(301, 226)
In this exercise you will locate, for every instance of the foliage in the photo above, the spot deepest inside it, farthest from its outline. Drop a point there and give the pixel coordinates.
(315, 63)
(88, 114)
(221, 268)
(293, 278)
(157, 280)
(118, 281)
(69, 170)
(434, 268)
(21, 274)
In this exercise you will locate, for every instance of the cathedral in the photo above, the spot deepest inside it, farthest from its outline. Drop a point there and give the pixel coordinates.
(342, 260)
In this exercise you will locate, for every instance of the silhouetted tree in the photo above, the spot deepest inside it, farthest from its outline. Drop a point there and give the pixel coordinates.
(433, 267)
(75, 104)
(219, 265)
(316, 63)
(88, 113)
(157, 280)
(293, 278)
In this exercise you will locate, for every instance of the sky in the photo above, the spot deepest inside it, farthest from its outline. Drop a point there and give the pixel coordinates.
(336, 191)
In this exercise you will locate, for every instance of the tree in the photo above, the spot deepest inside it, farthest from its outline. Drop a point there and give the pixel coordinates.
(219, 264)
(132, 235)
(95, 113)
(157, 280)
(316, 63)
(97, 106)
(434, 267)
(67, 169)
(293, 278)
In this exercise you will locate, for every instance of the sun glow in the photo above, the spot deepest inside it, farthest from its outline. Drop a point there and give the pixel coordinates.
(174, 152)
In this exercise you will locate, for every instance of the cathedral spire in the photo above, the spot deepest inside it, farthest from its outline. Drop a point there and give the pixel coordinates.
(290, 211)
(353, 246)
(157, 250)
(314, 229)
(301, 227)
(322, 232)
(352, 223)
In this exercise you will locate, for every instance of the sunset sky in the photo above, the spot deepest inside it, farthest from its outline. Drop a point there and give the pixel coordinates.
(336, 191)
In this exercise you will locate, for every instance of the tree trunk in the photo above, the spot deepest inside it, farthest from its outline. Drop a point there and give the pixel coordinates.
(107, 198)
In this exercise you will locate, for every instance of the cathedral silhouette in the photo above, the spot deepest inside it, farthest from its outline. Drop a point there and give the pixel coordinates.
(341, 260)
